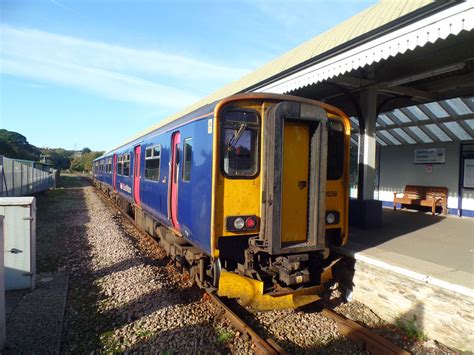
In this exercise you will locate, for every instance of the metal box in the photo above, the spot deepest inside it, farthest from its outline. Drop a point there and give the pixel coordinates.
(19, 241)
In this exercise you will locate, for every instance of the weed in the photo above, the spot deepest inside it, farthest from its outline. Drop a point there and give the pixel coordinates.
(409, 327)
(223, 335)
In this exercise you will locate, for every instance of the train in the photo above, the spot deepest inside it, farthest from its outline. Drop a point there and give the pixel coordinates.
(247, 194)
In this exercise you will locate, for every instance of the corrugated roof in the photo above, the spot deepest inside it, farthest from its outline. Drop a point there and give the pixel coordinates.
(368, 20)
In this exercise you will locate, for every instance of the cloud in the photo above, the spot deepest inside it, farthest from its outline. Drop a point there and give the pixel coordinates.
(116, 72)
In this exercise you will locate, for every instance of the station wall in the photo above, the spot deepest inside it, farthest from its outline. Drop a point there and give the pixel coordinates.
(397, 169)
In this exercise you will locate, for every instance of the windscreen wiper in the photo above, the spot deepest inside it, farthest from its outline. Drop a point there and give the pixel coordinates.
(235, 139)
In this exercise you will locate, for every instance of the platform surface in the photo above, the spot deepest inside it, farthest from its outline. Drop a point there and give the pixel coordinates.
(441, 247)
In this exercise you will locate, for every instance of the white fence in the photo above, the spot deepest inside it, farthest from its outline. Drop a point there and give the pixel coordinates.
(18, 179)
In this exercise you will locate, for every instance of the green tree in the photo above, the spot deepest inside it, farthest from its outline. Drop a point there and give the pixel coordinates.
(83, 162)
(14, 145)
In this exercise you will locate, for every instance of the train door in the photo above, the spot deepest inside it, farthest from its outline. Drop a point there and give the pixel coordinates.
(173, 179)
(114, 173)
(295, 180)
(136, 174)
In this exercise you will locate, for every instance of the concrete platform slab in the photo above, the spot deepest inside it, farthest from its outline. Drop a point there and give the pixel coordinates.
(433, 241)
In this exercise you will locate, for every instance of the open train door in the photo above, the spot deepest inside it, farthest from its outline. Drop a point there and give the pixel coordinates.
(114, 173)
(295, 182)
(136, 174)
(173, 179)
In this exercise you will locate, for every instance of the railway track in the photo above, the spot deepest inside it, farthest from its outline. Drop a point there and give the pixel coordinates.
(367, 339)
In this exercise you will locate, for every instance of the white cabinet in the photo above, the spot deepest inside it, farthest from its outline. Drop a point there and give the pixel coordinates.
(19, 226)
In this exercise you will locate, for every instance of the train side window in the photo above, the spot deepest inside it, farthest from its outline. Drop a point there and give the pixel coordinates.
(119, 165)
(335, 162)
(187, 159)
(126, 165)
(152, 163)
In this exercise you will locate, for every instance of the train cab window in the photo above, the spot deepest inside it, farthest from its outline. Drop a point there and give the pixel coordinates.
(187, 159)
(152, 163)
(240, 143)
(126, 165)
(119, 164)
(335, 162)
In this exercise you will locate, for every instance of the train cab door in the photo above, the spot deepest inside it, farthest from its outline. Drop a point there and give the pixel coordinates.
(173, 179)
(114, 173)
(295, 180)
(136, 174)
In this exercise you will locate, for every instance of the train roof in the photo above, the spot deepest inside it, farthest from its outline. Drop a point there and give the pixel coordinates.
(206, 110)
(165, 125)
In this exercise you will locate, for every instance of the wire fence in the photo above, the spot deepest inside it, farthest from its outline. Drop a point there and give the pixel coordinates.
(19, 179)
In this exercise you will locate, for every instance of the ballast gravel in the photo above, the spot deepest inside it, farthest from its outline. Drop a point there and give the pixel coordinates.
(124, 298)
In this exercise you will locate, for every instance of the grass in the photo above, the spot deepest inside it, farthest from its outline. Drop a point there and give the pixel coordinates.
(410, 328)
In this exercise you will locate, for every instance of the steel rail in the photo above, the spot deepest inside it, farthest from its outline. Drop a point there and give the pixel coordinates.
(262, 346)
(374, 343)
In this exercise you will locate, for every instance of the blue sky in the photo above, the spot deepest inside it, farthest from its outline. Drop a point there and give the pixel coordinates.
(77, 73)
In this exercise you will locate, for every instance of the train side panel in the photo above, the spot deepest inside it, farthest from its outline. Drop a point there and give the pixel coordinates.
(195, 183)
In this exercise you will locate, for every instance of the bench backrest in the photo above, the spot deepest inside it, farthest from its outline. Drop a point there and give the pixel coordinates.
(425, 192)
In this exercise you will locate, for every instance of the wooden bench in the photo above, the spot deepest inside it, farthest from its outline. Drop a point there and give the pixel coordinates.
(429, 196)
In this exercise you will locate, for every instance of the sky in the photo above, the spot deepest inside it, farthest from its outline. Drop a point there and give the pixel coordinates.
(92, 73)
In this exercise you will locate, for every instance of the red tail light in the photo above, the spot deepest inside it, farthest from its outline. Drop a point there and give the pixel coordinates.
(250, 223)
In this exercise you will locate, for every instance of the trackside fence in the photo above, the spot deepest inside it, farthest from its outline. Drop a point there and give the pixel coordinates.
(18, 179)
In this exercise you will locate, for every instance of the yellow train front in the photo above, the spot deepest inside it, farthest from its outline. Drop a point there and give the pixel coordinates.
(280, 197)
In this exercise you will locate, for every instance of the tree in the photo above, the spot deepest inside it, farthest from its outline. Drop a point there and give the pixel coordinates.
(14, 145)
(84, 162)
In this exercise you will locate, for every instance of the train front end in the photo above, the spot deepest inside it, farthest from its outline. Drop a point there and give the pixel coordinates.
(281, 198)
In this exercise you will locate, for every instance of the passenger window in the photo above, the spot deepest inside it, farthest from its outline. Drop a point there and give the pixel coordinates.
(152, 163)
(240, 143)
(335, 162)
(119, 165)
(188, 158)
(126, 165)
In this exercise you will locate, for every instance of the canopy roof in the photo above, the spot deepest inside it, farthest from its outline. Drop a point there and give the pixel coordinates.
(449, 120)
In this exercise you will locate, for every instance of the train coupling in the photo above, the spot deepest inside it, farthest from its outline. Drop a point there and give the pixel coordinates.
(249, 293)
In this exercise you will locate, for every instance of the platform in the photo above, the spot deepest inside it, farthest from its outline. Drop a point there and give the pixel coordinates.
(419, 268)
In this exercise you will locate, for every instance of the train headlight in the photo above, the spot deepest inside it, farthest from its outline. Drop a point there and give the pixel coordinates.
(239, 223)
(332, 217)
